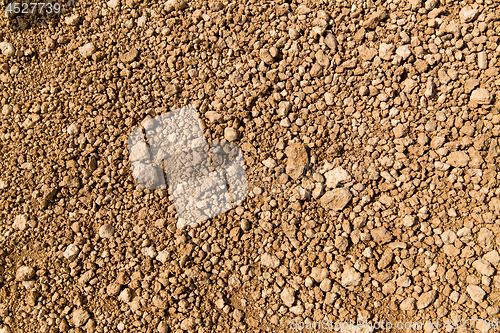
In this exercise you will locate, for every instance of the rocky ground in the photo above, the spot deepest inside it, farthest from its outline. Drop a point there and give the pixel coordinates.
(369, 131)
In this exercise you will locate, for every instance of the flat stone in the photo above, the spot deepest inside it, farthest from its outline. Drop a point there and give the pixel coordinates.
(80, 317)
(492, 257)
(468, 14)
(458, 159)
(71, 252)
(106, 230)
(426, 299)
(288, 296)
(20, 222)
(481, 96)
(269, 260)
(404, 51)
(298, 160)
(483, 267)
(381, 235)
(337, 176)
(129, 56)
(87, 50)
(408, 304)
(7, 49)
(351, 277)
(476, 293)
(385, 51)
(25, 273)
(336, 199)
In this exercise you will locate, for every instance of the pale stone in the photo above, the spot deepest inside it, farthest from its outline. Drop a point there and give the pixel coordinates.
(337, 176)
(336, 199)
(385, 51)
(106, 231)
(468, 14)
(288, 296)
(350, 277)
(80, 317)
(87, 50)
(458, 159)
(483, 267)
(481, 96)
(426, 299)
(476, 293)
(408, 304)
(404, 51)
(71, 252)
(25, 273)
(20, 222)
(269, 260)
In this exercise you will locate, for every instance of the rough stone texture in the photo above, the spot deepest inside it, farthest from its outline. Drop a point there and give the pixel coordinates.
(369, 134)
(426, 299)
(476, 293)
(288, 296)
(25, 273)
(481, 96)
(351, 278)
(336, 199)
(336, 176)
(298, 160)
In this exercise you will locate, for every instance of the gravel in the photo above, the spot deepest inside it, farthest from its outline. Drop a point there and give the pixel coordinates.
(368, 130)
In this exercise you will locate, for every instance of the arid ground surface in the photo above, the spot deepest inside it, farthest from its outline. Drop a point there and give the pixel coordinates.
(370, 136)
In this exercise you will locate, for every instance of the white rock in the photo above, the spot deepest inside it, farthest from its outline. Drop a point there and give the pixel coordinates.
(329, 98)
(481, 96)
(149, 252)
(408, 304)
(114, 4)
(7, 49)
(448, 237)
(337, 176)
(319, 274)
(172, 5)
(404, 51)
(188, 324)
(269, 260)
(126, 295)
(20, 222)
(87, 50)
(288, 296)
(25, 273)
(297, 310)
(468, 14)
(80, 317)
(73, 129)
(476, 293)
(350, 277)
(294, 34)
(336, 199)
(482, 60)
(284, 107)
(106, 230)
(270, 163)
(485, 239)
(426, 299)
(385, 51)
(492, 257)
(72, 20)
(408, 220)
(230, 134)
(163, 256)
(483, 267)
(71, 252)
